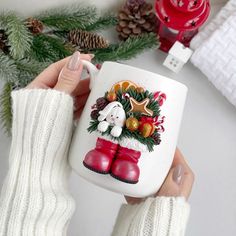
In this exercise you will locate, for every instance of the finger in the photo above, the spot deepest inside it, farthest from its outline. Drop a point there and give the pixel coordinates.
(133, 200)
(80, 101)
(48, 78)
(82, 88)
(188, 175)
(180, 179)
(70, 75)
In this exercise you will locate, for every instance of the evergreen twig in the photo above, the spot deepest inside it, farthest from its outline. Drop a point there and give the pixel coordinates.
(5, 111)
(19, 38)
(68, 17)
(47, 48)
(28, 70)
(102, 22)
(127, 49)
(8, 69)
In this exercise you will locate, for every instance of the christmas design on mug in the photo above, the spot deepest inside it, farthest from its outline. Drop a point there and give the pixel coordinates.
(129, 121)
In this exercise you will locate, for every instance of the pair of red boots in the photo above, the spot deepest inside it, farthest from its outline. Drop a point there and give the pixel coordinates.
(120, 162)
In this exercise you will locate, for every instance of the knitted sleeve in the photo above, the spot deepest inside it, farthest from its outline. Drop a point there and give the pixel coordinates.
(161, 216)
(35, 198)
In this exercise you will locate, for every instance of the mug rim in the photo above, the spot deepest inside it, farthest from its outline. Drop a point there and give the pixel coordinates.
(153, 73)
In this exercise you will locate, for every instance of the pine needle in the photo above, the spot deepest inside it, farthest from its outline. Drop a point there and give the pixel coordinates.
(102, 22)
(5, 111)
(47, 48)
(19, 38)
(28, 70)
(8, 69)
(69, 17)
(127, 49)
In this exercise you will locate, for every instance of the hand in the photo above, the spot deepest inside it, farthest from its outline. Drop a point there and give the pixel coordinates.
(178, 182)
(65, 75)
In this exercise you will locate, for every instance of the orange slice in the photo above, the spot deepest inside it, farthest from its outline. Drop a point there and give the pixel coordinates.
(123, 85)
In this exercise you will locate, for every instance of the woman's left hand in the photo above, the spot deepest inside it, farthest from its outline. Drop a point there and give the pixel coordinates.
(65, 75)
(178, 182)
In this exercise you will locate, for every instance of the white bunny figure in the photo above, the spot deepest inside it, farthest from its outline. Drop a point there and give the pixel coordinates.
(113, 114)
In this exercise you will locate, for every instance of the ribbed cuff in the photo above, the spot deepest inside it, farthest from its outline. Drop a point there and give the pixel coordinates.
(35, 199)
(161, 216)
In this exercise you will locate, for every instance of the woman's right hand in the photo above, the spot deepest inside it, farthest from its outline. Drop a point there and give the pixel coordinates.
(65, 76)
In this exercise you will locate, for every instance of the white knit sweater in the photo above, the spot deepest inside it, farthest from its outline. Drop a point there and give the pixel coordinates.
(35, 200)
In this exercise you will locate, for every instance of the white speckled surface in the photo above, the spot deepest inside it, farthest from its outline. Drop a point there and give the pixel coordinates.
(207, 138)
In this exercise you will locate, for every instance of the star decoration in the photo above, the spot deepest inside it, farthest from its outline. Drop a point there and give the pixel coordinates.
(140, 106)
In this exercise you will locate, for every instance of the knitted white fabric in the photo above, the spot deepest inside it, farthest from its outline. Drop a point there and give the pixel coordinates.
(35, 200)
(161, 216)
(216, 57)
(228, 10)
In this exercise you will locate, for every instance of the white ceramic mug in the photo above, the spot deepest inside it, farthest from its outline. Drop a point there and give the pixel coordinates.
(154, 166)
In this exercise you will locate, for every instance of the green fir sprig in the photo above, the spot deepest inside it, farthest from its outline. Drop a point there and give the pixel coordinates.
(102, 22)
(127, 49)
(70, 17)
(5, 108)
(51, 48)
(19, 38)
(28, 70)
(8, 69)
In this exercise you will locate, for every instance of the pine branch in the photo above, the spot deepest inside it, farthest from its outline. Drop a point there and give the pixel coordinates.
(8, 69)
(127, 49)
(69, 17)
(28, 70)
(19, 38)
(47, 48)
(5, 111)
(102, 22)
(93, 126)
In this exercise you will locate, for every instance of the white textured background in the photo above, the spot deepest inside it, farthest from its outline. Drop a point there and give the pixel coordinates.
(207, 138)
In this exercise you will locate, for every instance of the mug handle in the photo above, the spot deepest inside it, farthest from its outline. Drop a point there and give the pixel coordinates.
(93, 72)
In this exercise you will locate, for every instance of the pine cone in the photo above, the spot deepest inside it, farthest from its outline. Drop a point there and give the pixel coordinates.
(101, 103)
(131, 4)
(3, 42)
(94, 114)
(156, 138)
(87, 40)
(136, 18)
(35, 26)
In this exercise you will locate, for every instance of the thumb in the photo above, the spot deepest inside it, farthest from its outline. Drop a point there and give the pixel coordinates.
(180, 179)
(70, 74)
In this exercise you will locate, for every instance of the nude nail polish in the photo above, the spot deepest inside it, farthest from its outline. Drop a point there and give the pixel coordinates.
(91, 56)
(74, 61)
(178, 174)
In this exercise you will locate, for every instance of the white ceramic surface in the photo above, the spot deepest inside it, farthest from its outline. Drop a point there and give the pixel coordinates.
(153, 165)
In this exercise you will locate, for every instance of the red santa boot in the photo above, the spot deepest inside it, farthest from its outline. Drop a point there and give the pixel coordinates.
(125, 166)
(100, 158)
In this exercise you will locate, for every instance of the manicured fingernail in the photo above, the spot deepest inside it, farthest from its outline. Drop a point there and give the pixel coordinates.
(178, 174)
(74, 61)
(91, 56)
